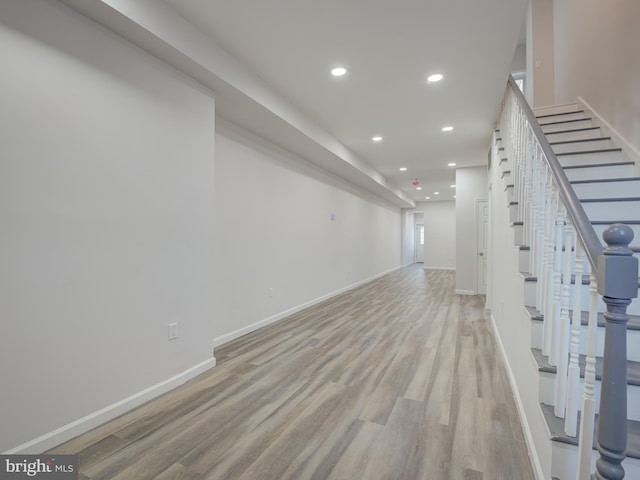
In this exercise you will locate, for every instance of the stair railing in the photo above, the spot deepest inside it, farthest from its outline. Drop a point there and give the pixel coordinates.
(563, 248)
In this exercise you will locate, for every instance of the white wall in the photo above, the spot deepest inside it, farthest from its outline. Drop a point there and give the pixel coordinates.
(596, 58)
(519, 61)
(106, 200)
(471, 185)
(273, 211)
(540, 53)
(439, 234)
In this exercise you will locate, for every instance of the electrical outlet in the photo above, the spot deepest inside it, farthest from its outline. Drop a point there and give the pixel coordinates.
(270, 293)
(173, 331)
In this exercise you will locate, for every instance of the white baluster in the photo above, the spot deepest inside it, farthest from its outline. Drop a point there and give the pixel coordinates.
(540, 231)
(521, 170)
(530, 179)
(565, 324)
(547, 325)
(533, 207)
(557, 287)
(573, 382)
(588, 415)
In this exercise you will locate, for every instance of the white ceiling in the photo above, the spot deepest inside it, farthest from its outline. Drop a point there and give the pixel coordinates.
(389, 48)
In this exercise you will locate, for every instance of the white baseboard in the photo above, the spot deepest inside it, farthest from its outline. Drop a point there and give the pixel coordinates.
(67, 432)
(531, 447)
(429, 267)
(465, 292)
(279, 316)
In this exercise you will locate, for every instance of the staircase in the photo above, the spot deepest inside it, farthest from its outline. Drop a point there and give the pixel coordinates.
(559, 274)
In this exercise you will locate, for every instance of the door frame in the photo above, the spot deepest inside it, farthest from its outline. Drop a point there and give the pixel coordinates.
(416, 242)
(476, 248)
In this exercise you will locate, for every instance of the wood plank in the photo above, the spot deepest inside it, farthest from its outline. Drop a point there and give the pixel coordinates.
(397, 379)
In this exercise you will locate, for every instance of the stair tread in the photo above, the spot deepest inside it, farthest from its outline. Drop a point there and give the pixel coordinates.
(606, 180)
(534, 278)
(585, 278)
(633, 324)
(593, 139)
(572, 130)
(556, 427)
(592, 165)
(565, 121)
(587, 152)
(611, 222)
(610, 199)
(557, 114)
(633, 368)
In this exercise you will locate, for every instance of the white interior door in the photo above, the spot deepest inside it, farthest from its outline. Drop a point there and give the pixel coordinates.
(419, 249)
(482, 230)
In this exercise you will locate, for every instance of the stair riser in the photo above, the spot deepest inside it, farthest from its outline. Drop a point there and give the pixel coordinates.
(530, 299)
(518, 235)
(523, 261)
(559, 117)
(612, 210)
(592, 173)
(579, 135)
(553, 109)
(590, 158)
(608, 189)
(582, 146)
(547, 395)
(633, 340)
(510, 194)
(525, 254)
(513, 213)
(559, 127)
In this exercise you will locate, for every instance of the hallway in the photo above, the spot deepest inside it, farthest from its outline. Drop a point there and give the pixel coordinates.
(399, 378)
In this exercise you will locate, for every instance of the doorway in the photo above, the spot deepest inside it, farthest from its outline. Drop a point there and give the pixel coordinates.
(419, 243)
(482, 230)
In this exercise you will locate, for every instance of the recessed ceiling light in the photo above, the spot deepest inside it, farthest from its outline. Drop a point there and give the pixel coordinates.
(454, 196)
(403, 169)
(427, 198)
(436, 77)
(436, 193)
(377, 138)
(452, 186)
(418, 188)
(447, 128)
(338, 71)
(452, 164)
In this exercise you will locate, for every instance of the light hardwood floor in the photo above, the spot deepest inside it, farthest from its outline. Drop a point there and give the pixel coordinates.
(397, 379)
